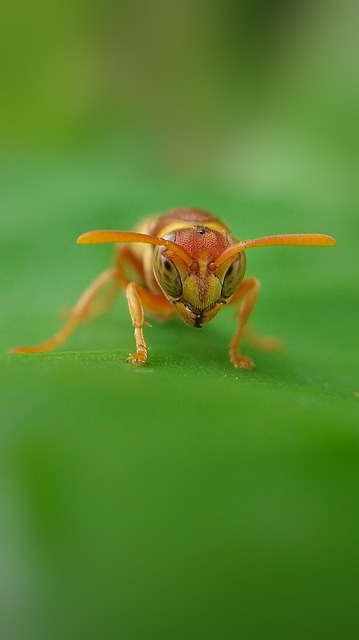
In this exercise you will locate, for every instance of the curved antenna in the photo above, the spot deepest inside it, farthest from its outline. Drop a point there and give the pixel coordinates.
(94, 237)
(293, 239)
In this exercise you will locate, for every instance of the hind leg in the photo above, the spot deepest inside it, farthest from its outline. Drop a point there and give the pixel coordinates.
(83, 310)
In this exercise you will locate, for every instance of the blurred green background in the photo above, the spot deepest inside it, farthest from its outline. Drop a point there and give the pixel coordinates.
(184, 499)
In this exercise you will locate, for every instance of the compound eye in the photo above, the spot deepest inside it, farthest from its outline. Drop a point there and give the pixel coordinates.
(167, 274)
(233, 277)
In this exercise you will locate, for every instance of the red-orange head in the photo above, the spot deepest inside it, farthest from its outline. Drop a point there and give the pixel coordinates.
(198, 289)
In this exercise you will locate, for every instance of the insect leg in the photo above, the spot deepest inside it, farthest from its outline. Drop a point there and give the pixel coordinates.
(268, 343)
(81, 312)
(248, 290)
(139, 298)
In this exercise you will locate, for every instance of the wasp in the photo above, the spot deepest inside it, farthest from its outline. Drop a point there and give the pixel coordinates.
(183, 262)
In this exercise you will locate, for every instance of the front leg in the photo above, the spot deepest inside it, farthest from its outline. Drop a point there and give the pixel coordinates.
(139, 298)
(248, 290)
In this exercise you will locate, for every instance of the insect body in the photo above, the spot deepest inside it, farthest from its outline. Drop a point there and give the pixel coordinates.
(186, 262)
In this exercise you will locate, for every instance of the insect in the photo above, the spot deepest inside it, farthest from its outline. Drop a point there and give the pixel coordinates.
(185, 262)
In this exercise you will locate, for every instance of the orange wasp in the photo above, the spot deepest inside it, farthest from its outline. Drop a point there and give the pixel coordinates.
(186, 262)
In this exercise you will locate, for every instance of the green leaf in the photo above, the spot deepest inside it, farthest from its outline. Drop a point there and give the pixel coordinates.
(185, 498)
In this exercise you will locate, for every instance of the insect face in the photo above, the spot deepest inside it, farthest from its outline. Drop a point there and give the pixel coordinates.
(199, 290)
